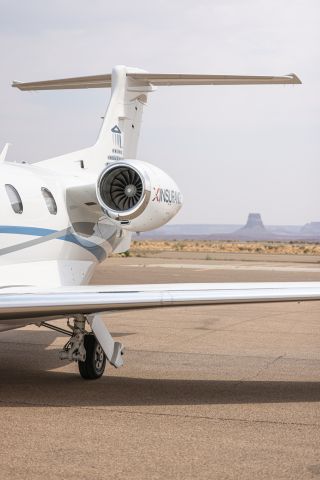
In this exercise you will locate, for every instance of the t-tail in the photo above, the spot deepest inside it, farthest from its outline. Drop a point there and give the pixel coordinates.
(119, 134)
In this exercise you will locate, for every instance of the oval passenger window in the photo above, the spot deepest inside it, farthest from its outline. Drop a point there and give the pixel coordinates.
(14, 198)
(50, 201)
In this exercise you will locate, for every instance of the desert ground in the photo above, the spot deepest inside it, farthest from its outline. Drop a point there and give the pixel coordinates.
(147, 247)
(221, 392)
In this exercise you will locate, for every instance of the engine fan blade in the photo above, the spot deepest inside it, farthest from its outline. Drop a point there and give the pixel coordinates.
(119, 182)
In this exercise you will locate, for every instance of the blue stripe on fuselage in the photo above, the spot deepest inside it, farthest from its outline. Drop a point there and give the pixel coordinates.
(66, 235)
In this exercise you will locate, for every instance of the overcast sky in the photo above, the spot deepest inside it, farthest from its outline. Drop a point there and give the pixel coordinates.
(231, 149)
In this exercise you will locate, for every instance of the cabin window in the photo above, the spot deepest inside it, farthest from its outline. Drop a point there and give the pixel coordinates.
(14, 198)
(50, 201)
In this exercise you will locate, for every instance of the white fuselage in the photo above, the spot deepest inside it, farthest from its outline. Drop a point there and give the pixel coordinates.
(41, 248)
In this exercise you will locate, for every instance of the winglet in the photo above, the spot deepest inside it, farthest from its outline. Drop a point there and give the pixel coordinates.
(4, 152)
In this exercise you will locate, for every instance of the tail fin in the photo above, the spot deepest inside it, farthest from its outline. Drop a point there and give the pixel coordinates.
(119, 135)
(120, 130)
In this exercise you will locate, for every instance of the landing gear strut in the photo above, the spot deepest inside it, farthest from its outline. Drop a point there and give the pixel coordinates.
(90, 349)
(74, 349)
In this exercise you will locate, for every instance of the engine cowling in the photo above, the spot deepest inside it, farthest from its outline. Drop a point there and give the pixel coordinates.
(138, 195)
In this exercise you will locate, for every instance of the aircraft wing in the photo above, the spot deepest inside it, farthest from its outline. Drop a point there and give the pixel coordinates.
(32, 303)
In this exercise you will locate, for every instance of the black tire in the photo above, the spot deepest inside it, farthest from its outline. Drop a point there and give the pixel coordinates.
(95, 362)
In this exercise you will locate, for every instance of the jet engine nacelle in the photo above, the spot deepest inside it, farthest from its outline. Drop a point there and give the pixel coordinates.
(138, 195)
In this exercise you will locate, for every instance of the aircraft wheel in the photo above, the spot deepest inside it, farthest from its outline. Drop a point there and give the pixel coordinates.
(95, 362)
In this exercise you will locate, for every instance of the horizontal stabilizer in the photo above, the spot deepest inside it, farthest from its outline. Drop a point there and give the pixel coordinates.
(156, 79)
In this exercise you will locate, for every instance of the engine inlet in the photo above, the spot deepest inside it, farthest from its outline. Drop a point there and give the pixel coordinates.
(121, 188)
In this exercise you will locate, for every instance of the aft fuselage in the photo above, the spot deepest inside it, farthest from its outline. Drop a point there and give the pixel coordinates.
(47, 238)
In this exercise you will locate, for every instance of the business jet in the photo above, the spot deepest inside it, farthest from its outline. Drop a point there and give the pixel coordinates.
(61, 217)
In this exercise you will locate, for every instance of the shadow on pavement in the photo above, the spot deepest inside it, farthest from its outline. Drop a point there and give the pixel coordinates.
(26, 379)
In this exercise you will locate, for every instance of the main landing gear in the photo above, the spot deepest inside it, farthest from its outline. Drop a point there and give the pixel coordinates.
(90, 349)
(95, 362)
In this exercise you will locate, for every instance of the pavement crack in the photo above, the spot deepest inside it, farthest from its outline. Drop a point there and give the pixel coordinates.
(161, 414)
(216, 419)
(262, 369)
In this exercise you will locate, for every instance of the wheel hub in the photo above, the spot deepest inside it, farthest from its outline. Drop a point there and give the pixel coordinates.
(99, 357)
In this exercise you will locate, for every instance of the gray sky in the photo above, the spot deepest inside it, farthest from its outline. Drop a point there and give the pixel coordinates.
(231, 149)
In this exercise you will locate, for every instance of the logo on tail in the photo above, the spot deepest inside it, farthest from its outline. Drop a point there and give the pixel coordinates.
(116, 136)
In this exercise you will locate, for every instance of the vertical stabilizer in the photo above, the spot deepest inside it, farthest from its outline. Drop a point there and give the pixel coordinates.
(119, 134)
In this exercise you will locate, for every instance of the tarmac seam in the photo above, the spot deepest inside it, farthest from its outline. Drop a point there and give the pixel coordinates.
(217, 419)
(155, 414)
(311, 259)
(219, 355)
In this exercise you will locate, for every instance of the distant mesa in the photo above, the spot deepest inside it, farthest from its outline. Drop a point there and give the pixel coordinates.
(253, 229)
(254, 221)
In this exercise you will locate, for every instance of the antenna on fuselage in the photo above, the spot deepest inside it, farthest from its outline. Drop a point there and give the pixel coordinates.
(4, 152)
